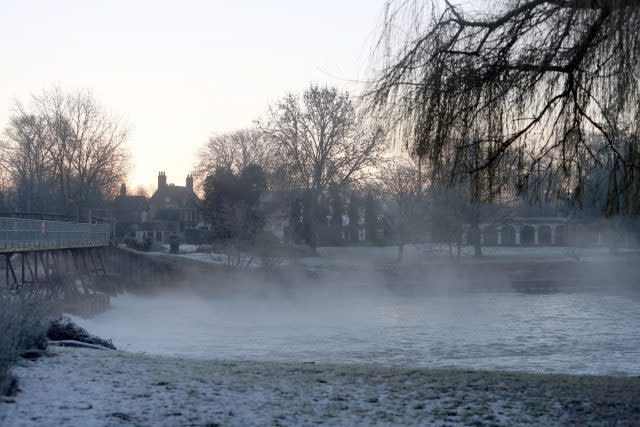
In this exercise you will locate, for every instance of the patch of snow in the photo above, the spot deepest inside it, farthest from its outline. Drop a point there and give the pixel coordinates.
(185, 248)
(82, 387)
(219, 259)
(426, 252)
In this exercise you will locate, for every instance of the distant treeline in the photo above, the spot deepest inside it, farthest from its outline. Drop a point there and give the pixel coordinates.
(61, 153)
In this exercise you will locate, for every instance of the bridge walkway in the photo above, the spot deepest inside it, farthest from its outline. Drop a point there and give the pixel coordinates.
(30, 235)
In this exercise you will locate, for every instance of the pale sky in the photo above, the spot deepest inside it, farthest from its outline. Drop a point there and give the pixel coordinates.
(178, 71)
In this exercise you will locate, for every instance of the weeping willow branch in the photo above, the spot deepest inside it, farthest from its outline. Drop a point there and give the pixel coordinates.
(541, 77)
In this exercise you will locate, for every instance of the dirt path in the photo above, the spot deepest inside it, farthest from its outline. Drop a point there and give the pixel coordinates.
(84, 387)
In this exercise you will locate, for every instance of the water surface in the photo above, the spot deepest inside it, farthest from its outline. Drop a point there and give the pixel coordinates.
(561, 333)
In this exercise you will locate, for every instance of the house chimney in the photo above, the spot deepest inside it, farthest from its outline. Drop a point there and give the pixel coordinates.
(162, 180)
(190, 182)
(123, 189)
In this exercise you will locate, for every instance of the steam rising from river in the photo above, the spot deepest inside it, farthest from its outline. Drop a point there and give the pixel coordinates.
(564, 332)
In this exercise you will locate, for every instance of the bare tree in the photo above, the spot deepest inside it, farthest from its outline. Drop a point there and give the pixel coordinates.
(404, 190)
(68, 142)
(450, 210)
(88, 147)
(141, 190)
(6, 188)
(26, 160)
(533, 76)
(234, 151)
(321, 143)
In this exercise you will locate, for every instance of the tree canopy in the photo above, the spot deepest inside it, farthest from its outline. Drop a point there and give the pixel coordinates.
(530, 85)
(63, 152)
(231, 202)
(321, 140)
(235, 151)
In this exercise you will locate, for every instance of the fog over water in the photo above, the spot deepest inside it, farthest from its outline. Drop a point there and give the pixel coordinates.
(560, 333)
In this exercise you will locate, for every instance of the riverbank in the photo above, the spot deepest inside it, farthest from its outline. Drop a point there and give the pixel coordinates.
(529, 270)
(84, 387)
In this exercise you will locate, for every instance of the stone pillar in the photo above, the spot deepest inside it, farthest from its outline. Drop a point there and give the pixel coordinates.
(499, 235)
(481, 230)
(536, 233)
(553, 234)
(517, 235)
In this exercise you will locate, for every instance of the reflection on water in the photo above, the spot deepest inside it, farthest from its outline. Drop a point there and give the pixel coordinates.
(571, 333)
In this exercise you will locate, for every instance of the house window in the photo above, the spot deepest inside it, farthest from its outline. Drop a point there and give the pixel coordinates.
(362, 234)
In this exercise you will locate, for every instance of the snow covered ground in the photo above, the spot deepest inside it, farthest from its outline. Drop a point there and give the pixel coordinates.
(221, 259)
(413, 254)
(427, 252)
(185, 248)
(84, 387)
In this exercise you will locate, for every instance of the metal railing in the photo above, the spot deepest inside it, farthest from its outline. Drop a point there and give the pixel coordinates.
(25, 234)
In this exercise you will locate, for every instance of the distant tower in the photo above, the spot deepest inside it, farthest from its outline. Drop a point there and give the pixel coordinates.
(162, 180)
(123, 189)
(190, 182)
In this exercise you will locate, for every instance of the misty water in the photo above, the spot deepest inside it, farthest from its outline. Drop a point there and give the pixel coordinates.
(561, 333)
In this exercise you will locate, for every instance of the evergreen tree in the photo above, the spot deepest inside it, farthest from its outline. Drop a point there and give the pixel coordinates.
(231, 202)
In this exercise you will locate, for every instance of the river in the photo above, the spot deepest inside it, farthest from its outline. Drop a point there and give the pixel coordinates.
(553, 333)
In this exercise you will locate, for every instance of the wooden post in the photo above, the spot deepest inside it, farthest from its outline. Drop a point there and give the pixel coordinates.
(93, 262)
(45, 266)
(13, 272)
(22, 268)
(104, 270)
(33, 278)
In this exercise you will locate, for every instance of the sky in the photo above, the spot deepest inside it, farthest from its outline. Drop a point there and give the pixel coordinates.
(178, 71)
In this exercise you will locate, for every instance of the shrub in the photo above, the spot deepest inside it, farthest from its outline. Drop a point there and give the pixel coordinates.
(145, 245)
(174, 244)
(23, 323)
(269, 250)
(198, 237)
(64, 329)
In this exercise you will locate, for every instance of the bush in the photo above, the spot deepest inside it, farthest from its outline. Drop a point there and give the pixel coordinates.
(23, 323)
(269, 250)
(134, 244)
(174, 244)
(64, 329)
(233, 253)
(198, 237)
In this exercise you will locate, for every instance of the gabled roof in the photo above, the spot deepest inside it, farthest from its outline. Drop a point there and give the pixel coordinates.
(176, 193)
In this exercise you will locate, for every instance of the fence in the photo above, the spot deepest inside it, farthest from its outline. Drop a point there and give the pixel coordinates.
(31, 234)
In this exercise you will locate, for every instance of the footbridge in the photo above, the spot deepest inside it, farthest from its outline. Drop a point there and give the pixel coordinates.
(46, 252)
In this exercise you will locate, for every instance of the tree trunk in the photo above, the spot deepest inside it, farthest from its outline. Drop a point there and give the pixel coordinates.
(475, 235)
(476, 196)
(309, 222)
(475, 212)
(613, 235)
